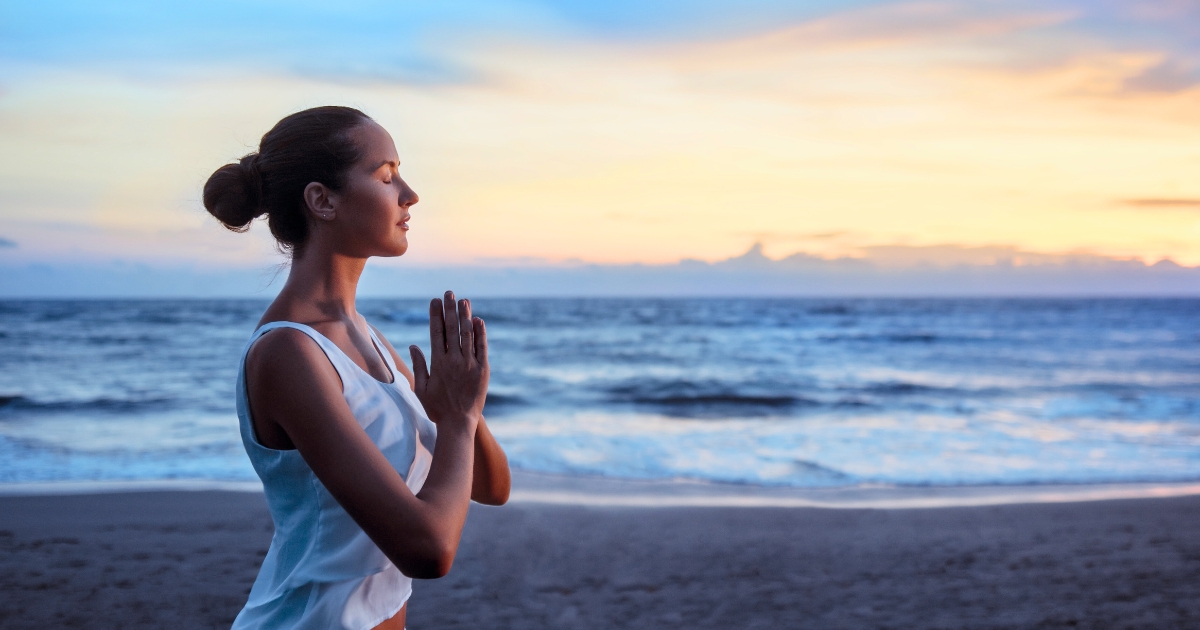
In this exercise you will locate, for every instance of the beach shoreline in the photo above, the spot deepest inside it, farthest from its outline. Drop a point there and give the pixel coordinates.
(599, 491)
(186, 558)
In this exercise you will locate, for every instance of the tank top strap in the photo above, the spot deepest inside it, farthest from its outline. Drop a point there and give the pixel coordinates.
(383, 350)
(341, 363)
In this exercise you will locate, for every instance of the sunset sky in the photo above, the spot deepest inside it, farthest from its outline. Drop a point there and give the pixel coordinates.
(617, 132)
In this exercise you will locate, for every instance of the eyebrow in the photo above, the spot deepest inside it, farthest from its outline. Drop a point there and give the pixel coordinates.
(394, 163)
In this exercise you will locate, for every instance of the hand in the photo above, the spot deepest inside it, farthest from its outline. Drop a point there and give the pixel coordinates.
(455, 385)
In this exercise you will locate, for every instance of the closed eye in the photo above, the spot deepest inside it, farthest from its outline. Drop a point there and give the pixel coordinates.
(390, 170)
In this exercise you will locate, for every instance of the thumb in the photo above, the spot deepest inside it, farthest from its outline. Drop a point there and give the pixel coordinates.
(420, 371)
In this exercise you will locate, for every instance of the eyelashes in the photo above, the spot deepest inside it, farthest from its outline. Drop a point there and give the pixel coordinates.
(390, 175)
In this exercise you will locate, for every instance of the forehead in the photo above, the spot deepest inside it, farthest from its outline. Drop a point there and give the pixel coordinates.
(376, 143)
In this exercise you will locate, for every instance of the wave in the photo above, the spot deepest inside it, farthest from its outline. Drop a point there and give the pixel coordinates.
(814, 472)
(419, 316)
(897, 338)
(832, 309)
(724, 399)
(499, 404)
(687, 399)
(901, 388)
(411, 317)
(19, 404)
(853, 403)
(697, 399)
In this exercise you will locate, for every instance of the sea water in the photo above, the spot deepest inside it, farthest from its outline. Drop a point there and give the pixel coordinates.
(792, 392)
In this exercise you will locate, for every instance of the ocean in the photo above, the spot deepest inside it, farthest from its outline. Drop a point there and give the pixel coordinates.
(777, 392)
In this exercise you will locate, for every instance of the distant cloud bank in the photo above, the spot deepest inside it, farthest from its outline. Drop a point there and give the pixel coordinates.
(884, 271)
(948, 270)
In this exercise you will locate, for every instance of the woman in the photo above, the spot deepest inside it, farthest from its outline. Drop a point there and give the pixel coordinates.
(368, 467)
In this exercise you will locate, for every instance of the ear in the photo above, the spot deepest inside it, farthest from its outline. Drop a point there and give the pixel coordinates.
(320, 201)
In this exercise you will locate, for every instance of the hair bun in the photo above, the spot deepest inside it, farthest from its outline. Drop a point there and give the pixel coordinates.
(233, 194)
(313, 145)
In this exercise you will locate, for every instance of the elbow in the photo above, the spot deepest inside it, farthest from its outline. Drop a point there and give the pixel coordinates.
(503, 489)
(495, 495)
(500, 497)
(431, 562)
(438, 567)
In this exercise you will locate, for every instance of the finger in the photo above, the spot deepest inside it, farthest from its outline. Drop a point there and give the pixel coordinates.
(420, 371)
(450, 316)
(437, 329)
(480, 341)
(466, 335)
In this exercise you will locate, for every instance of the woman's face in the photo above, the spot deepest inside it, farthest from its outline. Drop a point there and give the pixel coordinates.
(372, 207)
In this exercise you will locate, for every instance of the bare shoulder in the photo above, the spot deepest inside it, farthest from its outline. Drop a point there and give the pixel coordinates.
(286, 352)
(281, 345)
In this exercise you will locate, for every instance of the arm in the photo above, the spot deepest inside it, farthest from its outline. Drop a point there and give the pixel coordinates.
(491, 481)
(292, 384)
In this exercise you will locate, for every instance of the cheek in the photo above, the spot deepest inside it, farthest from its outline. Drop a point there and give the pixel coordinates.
(373, 207)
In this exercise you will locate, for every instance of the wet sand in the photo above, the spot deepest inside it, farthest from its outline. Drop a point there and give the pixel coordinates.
(186, 559)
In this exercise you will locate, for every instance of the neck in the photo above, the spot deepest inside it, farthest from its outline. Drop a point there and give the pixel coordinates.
(325, 280)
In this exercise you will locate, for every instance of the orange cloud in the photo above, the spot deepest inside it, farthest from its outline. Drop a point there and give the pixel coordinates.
(890, 25)
(1163, 203)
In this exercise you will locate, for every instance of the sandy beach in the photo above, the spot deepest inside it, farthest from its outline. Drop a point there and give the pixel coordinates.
(186, 559)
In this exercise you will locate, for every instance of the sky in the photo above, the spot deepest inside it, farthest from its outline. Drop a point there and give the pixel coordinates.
(618, 133)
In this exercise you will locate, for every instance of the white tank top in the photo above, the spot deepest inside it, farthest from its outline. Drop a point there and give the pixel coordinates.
(322, 571)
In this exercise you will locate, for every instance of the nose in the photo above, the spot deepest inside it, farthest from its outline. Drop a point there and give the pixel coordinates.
(408, 196)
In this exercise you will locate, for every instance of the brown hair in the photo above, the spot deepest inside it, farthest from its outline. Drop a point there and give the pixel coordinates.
(313, 145)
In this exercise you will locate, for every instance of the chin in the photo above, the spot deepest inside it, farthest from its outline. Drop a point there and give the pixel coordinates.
(389, 250)
(391, 244)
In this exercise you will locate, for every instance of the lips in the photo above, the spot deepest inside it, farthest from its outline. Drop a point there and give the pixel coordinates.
(404, 222)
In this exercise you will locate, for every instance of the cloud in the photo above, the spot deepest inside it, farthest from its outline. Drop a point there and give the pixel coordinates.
(1094, 49)
(415, 43)
(893, 257)
(1164, 202)
(896, 270)
(4, 242)
(893, 270)
(894, 24)
(944, 256)
(1172, 75)
(1154, 10)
